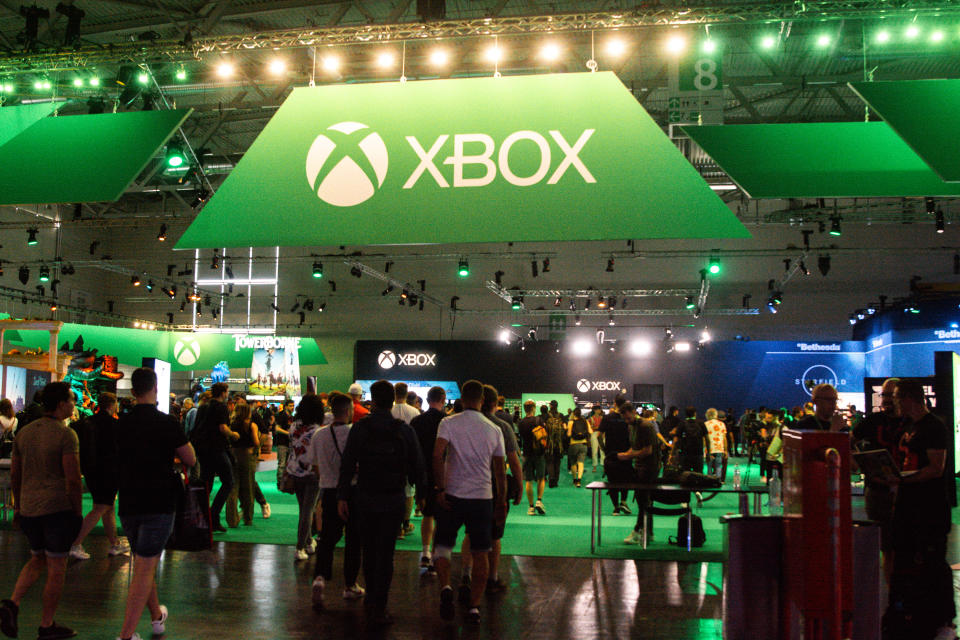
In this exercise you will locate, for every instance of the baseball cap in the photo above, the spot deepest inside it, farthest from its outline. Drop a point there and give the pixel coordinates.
(355, 390)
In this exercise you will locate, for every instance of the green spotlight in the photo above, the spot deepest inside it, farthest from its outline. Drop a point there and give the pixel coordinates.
(181, 74)
(936, 37)
(94, 81)
(912, 31)
(690, 303)
(768, 42)
(78, 82)
(463, 269)
(7, 88)
(713, 267)
(883, 37)
(175, 157)
(143, 78)
(823, 41)
(317, 269)
(709, 45)
(46, 85)
(44, 273)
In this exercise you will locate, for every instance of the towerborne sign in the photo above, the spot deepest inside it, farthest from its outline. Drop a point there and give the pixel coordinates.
(570, 156)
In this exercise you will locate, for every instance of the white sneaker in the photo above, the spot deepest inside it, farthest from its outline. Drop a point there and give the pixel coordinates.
(77, 552)
(312, 547)
(531, 511)
(135, 636)
(301, 554)
(122, 548)
(635, 537)
(353, 592)
(317, 596)
(158, 625)
(265, 510)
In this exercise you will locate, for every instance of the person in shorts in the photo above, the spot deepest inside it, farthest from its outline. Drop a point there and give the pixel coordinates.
(534, 462)
(471, 483)
(147, 443)
(425, 426)
(45, 481)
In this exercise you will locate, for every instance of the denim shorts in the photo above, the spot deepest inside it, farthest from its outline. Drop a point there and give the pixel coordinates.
(148, 533)
(51, 534)
(476, 514)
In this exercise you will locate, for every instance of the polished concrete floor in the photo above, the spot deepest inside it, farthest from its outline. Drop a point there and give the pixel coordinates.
(259, 591)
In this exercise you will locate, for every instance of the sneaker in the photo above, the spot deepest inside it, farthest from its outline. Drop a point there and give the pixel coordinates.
(353, 592)
(496, 586)
(426, 566)
(463, 592)
(576, 483)
(616, 511)
(538, 505)
(135, 636)
(446, 603)
(624, 509)
(301, 554)
(317, 594)
(635, 537)
(8, 618)
(417, 513)
(159, 624)
(409, 528)
(77, 553)
(122, 548)
(531, 511)
(312, 547)
(473, 616)
(55, 632)
(265, 510)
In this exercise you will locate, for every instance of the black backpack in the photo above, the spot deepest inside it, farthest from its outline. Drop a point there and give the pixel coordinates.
(580, 430)
(691, 440)
(698, 537)
(383, 460)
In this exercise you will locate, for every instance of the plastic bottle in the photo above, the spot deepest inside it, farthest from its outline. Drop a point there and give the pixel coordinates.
(774, 489)
(736, 478)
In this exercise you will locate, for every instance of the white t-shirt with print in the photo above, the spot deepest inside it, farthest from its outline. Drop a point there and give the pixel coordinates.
(717, 436)
(472, 443)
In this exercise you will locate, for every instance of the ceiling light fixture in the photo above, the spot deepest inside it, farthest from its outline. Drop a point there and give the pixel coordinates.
(32, 237)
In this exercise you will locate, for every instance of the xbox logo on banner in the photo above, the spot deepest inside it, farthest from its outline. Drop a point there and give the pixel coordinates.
(387, 359)
(186, 351)
(347, 164)
(583, 385)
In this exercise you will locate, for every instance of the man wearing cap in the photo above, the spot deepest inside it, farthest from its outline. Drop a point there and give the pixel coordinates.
(356, 392)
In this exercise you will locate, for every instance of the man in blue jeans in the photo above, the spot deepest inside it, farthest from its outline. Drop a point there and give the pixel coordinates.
(45, 481)
(147, 443)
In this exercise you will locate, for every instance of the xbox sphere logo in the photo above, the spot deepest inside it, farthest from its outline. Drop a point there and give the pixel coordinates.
(186, 351)
(347, 164)
(583, 385)
(386, 359)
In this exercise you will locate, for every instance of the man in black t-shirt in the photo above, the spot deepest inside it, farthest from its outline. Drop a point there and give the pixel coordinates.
(617, 440)
(281, 437)
(825, 416)
(425, 426)
(213, 450)
(921, 588)
(645, 454)
(147, 443)
(534, 459)
(692, 441)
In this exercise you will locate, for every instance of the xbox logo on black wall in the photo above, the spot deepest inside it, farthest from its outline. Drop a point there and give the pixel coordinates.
(583, 385)
(347, 164)
(387, 359)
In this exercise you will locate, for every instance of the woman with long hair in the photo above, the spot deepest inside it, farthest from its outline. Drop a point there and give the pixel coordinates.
(245, 450)
(306, 482)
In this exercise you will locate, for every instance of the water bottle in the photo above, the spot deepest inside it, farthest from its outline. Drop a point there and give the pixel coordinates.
(774, 489)
(736, 478)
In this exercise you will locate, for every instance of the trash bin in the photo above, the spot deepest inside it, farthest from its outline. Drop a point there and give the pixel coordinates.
(752, 575)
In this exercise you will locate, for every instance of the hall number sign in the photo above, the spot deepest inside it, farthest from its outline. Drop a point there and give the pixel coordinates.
(700, 71)
(696, 84)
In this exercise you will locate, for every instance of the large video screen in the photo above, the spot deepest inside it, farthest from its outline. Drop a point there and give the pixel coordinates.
(16, 386)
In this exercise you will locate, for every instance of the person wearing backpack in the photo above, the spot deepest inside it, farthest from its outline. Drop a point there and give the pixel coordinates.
(384, 455)
(693, 442)
(556, 431)
(617, 440)
(533, 441)
(578, 430)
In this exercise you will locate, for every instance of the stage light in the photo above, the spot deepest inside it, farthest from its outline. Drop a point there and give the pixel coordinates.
(940, 221)
(439, 57)
(404, 294)
(682, 346)
(162, 235)
(577, 321)
(44, 273)
(882, 37)
(581, 347)
(616, 47)
(322, 307)
(317, 270)
(823, 41)
(835, 226)
(94, 81)
(135, 280)
(215, 260)
(149, 285)
(676, 44)
(610, 265)
(640, 348)
(612, 302)
(143, 77)
(330, 63)
(181, 74)
(23, 274)
(690, 303)
(172, 292)
(823, 264)
(709, 45)
(183, 305)
(493, 54)
(174, 156)
(861, 314)
(498, 278)
(32, 237)
(705, 336)
(611, 321)
(225, 69)
(532, 334)
(355, 271)
(463, 269)
(768, 42)
(557, 301)
(852, 319)
(550, 52)
(912, 32)
(516, 303)
(278, 66)
(7, 87)
(714, 267)
(601, 303)
(53, 306)
(936, 37)
(78, 82)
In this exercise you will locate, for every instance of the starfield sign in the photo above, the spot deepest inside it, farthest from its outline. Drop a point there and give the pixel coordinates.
(565, 156)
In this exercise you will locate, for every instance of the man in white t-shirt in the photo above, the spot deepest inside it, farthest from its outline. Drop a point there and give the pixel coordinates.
(325, 452)
(403, 411)
(717, 439)
(468, 464)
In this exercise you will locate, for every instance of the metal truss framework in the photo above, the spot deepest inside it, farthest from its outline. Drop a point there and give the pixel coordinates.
(659, 14)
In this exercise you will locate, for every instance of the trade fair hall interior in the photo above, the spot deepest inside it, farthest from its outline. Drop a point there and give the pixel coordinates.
(741, 211)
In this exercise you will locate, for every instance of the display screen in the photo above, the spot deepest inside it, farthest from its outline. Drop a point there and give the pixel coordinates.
(956, 413)
(275, 372)
(419, 387)
(15, 386)
(162, 369)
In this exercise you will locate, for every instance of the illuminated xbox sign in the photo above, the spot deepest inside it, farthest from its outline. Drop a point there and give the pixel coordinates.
(388, 359)
(347, 164)
(584, 385)
(186, 351)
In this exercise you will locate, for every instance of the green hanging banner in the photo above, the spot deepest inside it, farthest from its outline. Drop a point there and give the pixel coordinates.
(525, 158)
(924, 114)
(14, 120)
(88, 158)
(820, 160)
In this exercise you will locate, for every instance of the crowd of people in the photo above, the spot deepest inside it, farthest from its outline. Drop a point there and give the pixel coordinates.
(361, 469)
